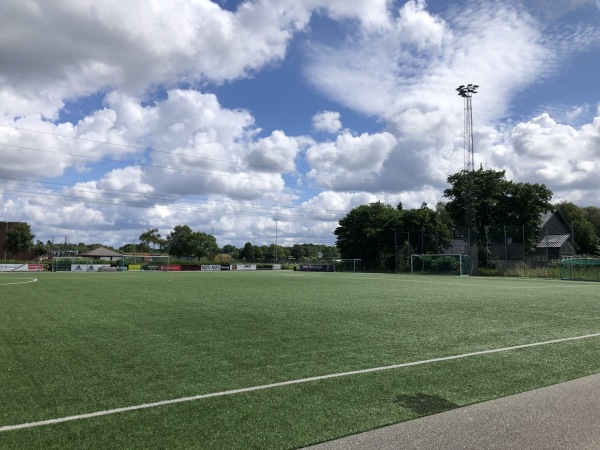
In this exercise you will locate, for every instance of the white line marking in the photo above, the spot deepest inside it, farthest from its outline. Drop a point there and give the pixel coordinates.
(30, 280)
(283, 383)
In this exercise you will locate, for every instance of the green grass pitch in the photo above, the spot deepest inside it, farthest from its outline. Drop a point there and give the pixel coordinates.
(73, 344)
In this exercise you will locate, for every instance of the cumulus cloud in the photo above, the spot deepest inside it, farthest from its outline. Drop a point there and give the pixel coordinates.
(349, 156)
(118, 93)
(557, 154)
(328, 121)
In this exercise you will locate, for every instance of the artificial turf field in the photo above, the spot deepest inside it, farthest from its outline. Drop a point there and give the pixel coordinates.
(73, 344)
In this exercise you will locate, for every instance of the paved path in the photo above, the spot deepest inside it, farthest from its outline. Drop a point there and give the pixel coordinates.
(564, 416)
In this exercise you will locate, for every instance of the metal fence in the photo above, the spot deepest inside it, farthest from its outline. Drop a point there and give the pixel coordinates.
(498, 250)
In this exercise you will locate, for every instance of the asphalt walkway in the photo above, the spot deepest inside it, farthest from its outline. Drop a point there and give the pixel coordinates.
(564, 416)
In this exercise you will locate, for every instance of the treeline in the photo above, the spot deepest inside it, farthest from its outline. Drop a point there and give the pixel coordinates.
(186, 244)
(476, 202)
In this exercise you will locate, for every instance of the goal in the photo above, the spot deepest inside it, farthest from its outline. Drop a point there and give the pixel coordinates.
(440, 264)
(145, 262)
(349, 265)
(581, 269)
(66, 263)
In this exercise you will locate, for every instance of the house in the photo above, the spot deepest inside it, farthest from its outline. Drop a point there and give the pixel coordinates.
(504, 247)
(102, 253)
(555, 237)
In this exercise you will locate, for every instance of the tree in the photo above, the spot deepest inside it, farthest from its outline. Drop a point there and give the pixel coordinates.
(365, 233)
(592, 213)
(191, 244)
(150, 237)
(40, 249)
(229, 249)
(248, 253)
(180, 241)
(204, 245)
(19, 238)
(495, 201)
(583, 230)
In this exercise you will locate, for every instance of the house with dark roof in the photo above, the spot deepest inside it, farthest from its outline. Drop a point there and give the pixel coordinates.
(555, 237)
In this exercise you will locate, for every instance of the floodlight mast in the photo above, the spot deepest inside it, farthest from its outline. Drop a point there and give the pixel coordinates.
(467, 93)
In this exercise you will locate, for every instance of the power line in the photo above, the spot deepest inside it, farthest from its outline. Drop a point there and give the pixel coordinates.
(76, 199)
(156, 197)
(155, 150)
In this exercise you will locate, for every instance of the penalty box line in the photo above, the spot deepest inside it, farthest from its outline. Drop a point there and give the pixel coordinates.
(281, 384)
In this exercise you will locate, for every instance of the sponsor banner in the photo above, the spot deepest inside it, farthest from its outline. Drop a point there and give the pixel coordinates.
(170, 268)
(87, 267)
(276, 266)
(20, 267)
(210, 267)
(134, 267)
(243, 267)
(316, 268)
(225, 267)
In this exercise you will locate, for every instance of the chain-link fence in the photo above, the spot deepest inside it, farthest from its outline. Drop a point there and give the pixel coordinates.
(499, 250)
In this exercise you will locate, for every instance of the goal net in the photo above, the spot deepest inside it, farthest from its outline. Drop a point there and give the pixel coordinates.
(349, 265)
(66, 263)
(441, 264)
(145, 262)
(581, 269)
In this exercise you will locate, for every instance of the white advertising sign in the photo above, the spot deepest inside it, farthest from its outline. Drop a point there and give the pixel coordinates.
(21, 267)
(210, 267)
(243, 267)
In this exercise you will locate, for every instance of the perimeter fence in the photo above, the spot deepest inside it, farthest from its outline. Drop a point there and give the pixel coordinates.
(498, 250)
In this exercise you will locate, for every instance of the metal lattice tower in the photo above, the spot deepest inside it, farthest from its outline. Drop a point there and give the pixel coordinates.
(467, 93)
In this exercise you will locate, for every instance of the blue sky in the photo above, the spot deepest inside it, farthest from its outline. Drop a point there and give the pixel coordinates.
(118, 116)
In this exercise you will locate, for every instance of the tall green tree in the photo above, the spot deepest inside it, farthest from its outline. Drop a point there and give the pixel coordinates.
(151, 238)
(205, 245)
(248, 252)
(19, 238)
(583, 230)
(365, 233)
(494, 201)
(181, 241)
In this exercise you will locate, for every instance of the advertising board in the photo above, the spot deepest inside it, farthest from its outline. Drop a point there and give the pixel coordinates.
(243, 267)
(87, 267)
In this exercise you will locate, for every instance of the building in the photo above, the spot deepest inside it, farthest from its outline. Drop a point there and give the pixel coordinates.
(555, 238)
(26, 255)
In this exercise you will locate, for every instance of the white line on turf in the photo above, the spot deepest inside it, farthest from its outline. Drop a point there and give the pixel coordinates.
(281, 384)
(29, 280)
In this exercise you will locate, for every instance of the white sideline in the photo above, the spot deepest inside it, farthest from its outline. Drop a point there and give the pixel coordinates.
(280, 384)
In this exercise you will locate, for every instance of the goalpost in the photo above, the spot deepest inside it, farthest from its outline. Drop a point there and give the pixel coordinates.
(581, 269)
(441, 264)
(145, 262)
(349, 265)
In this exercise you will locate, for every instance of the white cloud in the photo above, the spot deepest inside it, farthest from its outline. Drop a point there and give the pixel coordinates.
(186, 158)
(558, 155)
(328, 121)
(350, 156)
